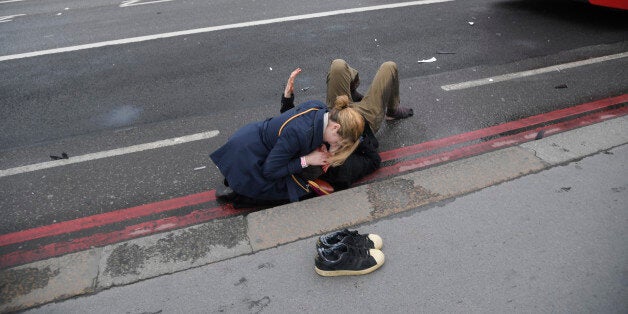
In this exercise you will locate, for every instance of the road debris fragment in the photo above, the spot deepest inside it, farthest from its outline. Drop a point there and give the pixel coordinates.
(63, 156)
(432, 59)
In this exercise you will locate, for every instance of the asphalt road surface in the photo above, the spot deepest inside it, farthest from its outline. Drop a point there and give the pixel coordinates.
(142, 86)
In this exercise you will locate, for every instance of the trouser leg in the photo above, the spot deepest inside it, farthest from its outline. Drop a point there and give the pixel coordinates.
(341, 79)
(382, 96)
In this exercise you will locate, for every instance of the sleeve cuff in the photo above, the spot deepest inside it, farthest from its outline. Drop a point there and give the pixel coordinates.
(286, 103)
(295, 166)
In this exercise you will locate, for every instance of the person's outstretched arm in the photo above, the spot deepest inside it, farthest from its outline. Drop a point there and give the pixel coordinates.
(287, 99)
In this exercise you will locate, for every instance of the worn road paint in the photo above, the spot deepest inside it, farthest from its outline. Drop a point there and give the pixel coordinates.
(516, 75)
(484, 147)
(9, 18)
(129, 232)
(109, 153)
(130, 3)
(217, 28)
(106, 218)
(506, 127)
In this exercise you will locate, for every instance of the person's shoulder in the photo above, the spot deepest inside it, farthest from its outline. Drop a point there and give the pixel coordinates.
(313, 104)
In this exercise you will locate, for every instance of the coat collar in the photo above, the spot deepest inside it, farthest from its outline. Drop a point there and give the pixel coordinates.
(319, 126)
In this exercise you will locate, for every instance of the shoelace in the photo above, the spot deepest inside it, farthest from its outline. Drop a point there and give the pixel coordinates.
(334, 253)
(328, 254)
(338, 236)
(359, 240)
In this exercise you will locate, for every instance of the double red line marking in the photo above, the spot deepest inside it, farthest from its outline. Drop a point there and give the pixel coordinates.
(580, 115)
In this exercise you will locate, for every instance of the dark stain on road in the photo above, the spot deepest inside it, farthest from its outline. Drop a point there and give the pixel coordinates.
(266, 265)
(188, 245)
(259, 305)
(241, 281)
(125, 260)
(17, 282)
(396, 195)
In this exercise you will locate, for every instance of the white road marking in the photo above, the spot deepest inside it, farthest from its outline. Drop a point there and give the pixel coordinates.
(9, 18)
(130, 3)
(109, 153)
(7, 1)
(516, 75)
(216, 28)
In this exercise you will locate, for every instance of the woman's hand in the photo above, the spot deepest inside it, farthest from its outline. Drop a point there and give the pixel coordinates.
(318, 157)
(290, 85)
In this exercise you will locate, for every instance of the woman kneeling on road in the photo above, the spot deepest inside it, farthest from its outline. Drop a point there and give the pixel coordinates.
(264, 162)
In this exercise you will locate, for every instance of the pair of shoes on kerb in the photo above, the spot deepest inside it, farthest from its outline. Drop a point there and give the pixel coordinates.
(346, 253)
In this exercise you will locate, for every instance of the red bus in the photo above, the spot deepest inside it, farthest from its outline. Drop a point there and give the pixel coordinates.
(617, 4)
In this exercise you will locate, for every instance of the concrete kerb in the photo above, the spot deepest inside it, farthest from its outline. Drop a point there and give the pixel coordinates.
(138, 259)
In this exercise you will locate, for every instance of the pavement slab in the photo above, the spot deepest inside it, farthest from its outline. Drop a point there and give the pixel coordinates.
(169, 252)
(585, 141)
(48, 280)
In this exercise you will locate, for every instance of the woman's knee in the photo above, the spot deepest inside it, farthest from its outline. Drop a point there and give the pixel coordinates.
(389, 65)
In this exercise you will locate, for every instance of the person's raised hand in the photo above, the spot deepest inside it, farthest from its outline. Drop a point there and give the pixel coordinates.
(290, 85)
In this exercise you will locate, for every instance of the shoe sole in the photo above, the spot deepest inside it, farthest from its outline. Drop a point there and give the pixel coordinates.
(379, 261)
(389, 118)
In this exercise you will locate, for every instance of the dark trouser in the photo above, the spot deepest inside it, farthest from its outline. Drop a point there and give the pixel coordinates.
(382, 95)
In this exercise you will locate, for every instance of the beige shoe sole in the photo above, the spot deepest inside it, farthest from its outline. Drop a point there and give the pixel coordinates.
(378, 243)
(379, 260)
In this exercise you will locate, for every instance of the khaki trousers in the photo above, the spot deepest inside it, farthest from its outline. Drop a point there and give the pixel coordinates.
(382, 95)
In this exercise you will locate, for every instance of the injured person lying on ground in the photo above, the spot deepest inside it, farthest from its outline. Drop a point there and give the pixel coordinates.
(340, 157)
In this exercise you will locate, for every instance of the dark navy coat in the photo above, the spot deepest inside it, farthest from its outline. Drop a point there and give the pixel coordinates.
(363, 161)
(262, 159)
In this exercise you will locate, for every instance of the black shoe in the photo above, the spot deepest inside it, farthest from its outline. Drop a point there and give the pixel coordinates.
(399, 113)
(353, 238)
(345, 260)
(226, 194)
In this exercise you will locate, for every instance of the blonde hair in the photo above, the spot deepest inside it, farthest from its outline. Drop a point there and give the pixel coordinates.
(351, 128)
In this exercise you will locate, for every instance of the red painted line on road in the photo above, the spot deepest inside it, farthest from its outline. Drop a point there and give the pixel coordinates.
(194, 199)
(506, 127)
(130, 232)
(499, 143)
(106, 218)
(199, 216)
